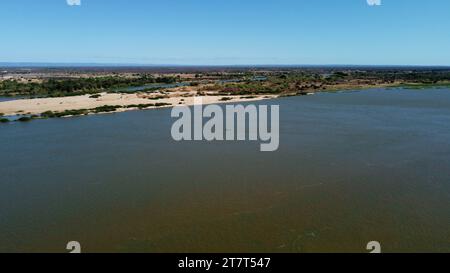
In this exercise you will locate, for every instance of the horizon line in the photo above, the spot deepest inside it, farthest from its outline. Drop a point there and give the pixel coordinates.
(101, 64)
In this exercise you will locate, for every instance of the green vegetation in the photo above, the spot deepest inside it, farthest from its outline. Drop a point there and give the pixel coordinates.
(140, 106)
(106, 108)
(424, 85)
(144, 106)
(76, 86)
(304, 81)
(4, 120)
(50, 114)
(246, 84)
(101, 109)
(161, 104)
(158, 97)
(243, 83)
(24, 119)
(80, 112)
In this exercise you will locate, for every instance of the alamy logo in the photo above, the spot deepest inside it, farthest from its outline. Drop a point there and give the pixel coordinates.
(229, 126)
(74, 247)
(74, 2)
(374, 2)
(374, 247)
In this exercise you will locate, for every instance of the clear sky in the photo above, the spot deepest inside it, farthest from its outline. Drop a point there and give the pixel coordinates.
(217, 32)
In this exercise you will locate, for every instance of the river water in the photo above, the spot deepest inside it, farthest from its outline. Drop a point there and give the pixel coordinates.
(352, 167)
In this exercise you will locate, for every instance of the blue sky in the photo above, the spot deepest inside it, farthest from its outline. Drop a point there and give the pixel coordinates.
(217, 32)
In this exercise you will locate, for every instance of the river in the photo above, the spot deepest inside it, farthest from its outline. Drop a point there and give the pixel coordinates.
(352, 167)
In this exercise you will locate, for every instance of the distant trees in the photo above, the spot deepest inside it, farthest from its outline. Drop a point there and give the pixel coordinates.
(67, 87)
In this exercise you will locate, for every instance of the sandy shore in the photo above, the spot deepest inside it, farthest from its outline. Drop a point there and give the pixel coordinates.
(39, 106)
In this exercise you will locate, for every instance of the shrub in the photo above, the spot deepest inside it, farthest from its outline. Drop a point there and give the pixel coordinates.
(4, 120)
(140, 106)
(24, 119)
(162, 104)
(72, 113)
(158, 97)
(48, 114)
(106, 108)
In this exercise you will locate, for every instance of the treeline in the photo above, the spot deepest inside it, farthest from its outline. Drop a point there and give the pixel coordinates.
(423, 77)
(288, 82)
(78, 86)
(275, 84)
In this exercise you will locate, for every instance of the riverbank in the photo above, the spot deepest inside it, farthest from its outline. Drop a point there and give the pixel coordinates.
(121, 102)
(112, 102)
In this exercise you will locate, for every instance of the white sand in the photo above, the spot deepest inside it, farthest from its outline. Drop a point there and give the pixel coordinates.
(38, 106)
